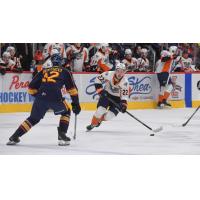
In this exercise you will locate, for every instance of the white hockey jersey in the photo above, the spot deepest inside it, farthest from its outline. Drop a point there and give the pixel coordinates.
(10, 65)
(101, 60)
(47, 51)
(119, 89)
(131, 65)
(184, 62)
(80, 56)
(143, 65)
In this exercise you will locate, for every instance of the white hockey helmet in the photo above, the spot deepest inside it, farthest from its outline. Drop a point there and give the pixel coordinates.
(103, 46)
(120, 70)
(165, 53)
(11, 50)
(128, 52)
(120, 66)
(173, 50)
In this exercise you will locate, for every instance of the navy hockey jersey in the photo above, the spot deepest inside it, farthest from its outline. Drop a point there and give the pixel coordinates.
(48, 83)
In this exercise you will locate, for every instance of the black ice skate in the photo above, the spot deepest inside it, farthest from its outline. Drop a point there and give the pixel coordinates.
(90, 127)
(166, 104)
(13, 140)
(63, 140)
(160, 105)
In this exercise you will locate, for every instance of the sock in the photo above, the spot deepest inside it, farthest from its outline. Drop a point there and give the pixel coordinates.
(23, 128)
(160, 98)
(166, 95)
(95, 121)
(64, 123)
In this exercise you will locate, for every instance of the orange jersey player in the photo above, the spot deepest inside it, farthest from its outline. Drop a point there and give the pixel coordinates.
(164, 67)
(100, 61)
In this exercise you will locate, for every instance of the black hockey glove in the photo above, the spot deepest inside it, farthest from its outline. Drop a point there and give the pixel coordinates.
(123, 106)
(100, 90)
(2, 71)
(76, 108)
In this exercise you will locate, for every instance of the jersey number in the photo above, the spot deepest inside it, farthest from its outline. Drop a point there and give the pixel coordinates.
(125, 92)
(50, 78)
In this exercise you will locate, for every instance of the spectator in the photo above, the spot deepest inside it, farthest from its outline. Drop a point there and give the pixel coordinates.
(24, 51)
(137, 51)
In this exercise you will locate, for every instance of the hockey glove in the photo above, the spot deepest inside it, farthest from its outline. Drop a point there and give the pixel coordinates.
(2, 71)
(76, 108)
(123, 106)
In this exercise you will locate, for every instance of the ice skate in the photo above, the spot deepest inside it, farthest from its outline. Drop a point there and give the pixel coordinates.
(90, 127)
(63, 140)
(13, 140)
(160, 105)
(166, 104)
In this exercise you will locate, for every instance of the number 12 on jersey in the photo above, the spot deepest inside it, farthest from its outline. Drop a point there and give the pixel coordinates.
(50, 77)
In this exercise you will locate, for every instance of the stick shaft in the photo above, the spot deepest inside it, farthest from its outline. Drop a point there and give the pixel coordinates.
(75, 123)
(112, 101)
(184, 124)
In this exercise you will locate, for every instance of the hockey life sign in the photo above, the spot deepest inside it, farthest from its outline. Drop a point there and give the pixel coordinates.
(13, 89)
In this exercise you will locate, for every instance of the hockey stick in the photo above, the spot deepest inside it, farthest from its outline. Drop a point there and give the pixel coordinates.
(75, 123)
(154, 130)
(184, 124)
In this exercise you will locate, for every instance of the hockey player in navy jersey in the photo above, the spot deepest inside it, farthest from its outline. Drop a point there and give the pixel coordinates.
(46, 87)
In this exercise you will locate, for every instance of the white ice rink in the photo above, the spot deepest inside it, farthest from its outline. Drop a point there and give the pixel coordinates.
(122, 135)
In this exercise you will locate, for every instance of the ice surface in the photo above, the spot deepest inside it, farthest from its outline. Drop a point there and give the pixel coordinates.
(122, 135)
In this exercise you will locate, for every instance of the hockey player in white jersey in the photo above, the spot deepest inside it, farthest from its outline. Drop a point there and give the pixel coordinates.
(49, 50)
(164, 67)
(100, 61)
(129, 61)
(77, 58)
(117, 89)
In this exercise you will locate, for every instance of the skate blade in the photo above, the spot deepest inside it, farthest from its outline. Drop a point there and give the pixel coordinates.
(11, 143)
(63, 143)
(160, 107)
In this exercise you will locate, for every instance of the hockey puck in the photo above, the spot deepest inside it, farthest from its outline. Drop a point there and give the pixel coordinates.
(152, 134)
